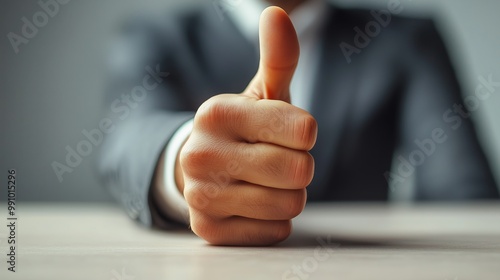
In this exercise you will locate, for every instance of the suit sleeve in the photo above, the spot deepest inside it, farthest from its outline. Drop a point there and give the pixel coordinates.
(145, 109)
(439, 140)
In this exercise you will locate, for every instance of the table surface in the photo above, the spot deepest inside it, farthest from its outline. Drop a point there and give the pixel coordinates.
(330, 241)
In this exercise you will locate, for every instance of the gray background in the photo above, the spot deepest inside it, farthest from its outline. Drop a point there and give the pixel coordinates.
(52, 89)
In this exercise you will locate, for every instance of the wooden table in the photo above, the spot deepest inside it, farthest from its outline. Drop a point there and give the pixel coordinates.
(330, 241)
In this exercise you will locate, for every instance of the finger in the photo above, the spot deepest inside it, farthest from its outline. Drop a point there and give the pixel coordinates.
(273, 166)
(262, 164)
(258, 202)
(279, 55)
(239, 230)
(278, 123)
(267, 121)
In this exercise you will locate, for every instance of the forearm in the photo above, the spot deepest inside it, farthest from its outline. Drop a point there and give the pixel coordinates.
(129, 157)
(161, 194)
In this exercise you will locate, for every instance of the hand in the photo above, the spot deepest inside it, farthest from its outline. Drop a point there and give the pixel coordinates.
(245, 166)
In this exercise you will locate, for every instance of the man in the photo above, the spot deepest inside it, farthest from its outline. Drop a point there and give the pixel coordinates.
(238, 168)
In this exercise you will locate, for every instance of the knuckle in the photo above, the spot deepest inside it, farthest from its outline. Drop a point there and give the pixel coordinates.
(205, 228)
(196, 159)
(217, 111)
(294, 203)
(211, 110)
(282, 231)
(194, 197)
(305, 131)
(301, 169)
(199, 196)
(193, 157)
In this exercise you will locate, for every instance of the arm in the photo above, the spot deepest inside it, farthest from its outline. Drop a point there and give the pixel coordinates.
(167, 189)
(146, 110)
(245, 165)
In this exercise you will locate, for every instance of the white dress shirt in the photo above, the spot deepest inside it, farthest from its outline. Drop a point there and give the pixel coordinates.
(307, 20)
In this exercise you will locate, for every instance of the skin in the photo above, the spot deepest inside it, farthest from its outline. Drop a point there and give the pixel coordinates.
(246, 165)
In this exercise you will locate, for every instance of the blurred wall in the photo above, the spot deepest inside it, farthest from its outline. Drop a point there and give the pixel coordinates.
(51, 90)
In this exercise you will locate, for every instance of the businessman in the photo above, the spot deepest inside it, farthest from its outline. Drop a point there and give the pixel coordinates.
(253, 112)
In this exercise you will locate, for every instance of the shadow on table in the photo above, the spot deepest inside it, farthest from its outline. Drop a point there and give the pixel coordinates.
(303, 239)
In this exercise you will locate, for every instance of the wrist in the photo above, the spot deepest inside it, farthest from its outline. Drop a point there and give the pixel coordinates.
(169, 183)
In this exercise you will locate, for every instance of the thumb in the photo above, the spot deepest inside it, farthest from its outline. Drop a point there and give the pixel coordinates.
(279, 55)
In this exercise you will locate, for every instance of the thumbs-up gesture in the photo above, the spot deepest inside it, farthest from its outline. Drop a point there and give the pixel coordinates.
(246, 164)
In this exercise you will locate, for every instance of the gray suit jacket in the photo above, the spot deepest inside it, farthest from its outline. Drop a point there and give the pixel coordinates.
(397, 91)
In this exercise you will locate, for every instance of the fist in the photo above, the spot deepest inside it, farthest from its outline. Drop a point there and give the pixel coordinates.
(246, 164)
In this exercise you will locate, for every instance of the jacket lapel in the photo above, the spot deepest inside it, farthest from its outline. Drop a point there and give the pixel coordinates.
(332, 100)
